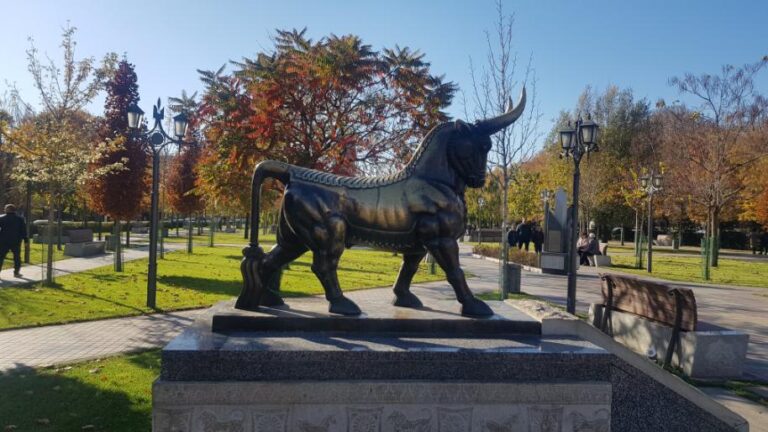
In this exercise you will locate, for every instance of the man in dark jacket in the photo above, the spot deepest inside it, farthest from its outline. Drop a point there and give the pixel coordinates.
(13, 230)
(523, 235)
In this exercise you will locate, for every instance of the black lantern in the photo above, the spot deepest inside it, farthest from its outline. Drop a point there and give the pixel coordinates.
(180, 123)
(566, 137)
(588, 130)
(657, 181)
(135, 116)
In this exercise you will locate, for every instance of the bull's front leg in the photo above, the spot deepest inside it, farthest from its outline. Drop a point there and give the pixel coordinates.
(446, 253)
(403, 295)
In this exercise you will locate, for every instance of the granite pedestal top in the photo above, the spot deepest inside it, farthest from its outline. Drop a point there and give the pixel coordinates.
(310, 314)
(303, 342)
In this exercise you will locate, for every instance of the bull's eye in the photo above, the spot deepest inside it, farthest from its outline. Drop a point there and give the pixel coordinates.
(463, 149)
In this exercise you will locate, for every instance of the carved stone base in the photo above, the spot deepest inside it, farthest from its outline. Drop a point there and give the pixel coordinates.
(355, 406)
(299, 369)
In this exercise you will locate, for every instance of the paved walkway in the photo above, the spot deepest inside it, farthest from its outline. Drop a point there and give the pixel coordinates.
(68, 343)
(34, 272)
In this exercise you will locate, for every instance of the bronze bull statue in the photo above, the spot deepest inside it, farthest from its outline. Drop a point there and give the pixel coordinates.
(417, 210)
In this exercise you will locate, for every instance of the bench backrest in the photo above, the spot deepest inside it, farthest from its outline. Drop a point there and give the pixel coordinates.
(80, 235)
(648, 299)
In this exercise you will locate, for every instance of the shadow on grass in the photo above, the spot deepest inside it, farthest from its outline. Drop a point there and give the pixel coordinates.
(229, 287)
(51, 400)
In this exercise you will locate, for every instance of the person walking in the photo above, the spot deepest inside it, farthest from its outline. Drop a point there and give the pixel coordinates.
(523, 234)
(512, 236)
(764, 243)
(13, 229)
(754, 242)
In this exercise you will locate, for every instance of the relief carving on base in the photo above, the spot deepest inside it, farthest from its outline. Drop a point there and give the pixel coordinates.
(173, 420)
(364, 419)
(271, 420)
(454, 420)
(401, 423)
(211, 423)
(542, 419)
(323, 426)
(508, 425)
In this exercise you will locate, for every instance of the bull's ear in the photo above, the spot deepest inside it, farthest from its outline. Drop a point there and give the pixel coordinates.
(462, 127)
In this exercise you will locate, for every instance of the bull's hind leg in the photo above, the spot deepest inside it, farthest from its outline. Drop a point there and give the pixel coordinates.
(271, 270)
(446, 253)
(327, 247)
(403, 295)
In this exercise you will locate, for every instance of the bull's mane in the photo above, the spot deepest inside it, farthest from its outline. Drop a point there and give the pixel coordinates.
(319, 177)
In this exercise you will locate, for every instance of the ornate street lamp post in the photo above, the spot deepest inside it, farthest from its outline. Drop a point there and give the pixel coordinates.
(650, 184)
(157, 139)
(576, 141)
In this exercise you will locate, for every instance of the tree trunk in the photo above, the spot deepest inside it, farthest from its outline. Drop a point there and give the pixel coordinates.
(49, 237)
(503, 247)
(212, 230)
(28, 214)
(98, 225)
(128, 234)
(118, 247)
(59, 227)
(715, 236)
(189, 234)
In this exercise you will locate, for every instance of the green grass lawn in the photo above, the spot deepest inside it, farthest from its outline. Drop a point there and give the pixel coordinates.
(688, 269)
(218, 238)
(36, 254)
(108, 395)
(184, 281)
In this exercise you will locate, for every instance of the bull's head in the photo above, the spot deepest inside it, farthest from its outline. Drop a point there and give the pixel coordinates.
(469, 147)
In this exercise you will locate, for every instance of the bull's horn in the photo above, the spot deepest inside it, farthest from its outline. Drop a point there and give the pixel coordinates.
(493, 125)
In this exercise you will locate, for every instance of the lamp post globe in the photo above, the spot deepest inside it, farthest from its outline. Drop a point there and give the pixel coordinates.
(135, 116)
(180, 124)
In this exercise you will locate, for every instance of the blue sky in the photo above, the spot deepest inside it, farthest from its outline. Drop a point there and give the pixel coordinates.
(574, 43)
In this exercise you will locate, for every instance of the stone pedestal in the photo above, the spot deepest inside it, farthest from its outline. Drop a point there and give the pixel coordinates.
(394, 369)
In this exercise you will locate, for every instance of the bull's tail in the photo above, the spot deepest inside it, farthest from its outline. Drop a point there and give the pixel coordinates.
(253, 286)
(264, 170)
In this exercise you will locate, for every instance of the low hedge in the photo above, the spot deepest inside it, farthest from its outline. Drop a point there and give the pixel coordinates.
(514, 255)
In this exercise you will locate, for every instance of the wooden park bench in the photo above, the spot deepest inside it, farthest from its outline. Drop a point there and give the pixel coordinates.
(651, 317)
(80, 244)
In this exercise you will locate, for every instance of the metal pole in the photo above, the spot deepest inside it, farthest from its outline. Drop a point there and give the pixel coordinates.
(650, 229)
(573, 256)
(152, 273)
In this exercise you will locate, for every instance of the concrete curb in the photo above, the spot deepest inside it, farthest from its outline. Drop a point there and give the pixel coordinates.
(525, 267)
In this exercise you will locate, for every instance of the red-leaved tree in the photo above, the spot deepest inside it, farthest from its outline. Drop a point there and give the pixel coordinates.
(118, 192)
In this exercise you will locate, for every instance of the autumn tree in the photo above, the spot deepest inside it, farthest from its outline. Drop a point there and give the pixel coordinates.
(183, 196)
(334, 104)
(707, 143)
(118, 193)
(224, 176)
(53, 148)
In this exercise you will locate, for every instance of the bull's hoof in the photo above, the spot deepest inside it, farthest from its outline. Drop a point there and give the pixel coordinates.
(271, 299)
(344, 306)
(247, 302)
(476, 308)
(407, 300)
